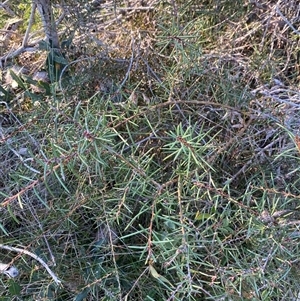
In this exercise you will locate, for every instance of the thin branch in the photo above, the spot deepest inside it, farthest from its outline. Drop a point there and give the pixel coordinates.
(10, 31)
(15, 53)
(35, 216)
(135, 8)
(40, 260)
(286, 20)
(129, 67)
(30, 22)
(7, 8)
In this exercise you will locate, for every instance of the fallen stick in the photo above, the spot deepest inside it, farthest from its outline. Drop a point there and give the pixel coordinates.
(8, 271)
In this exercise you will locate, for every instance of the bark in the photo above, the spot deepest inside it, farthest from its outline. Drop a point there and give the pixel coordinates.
(45, 11)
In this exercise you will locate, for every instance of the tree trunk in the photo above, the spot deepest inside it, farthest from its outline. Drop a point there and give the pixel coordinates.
(45, 11)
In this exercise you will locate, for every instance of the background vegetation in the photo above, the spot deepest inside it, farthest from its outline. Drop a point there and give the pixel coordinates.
(160, 160)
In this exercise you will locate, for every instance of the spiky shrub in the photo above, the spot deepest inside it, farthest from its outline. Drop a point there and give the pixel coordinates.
(182, 187)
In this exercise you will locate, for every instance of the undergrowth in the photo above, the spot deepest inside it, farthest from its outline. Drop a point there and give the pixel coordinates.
(169, 174)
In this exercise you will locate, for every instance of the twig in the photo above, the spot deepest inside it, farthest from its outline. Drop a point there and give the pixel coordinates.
(286, 20)
(6, 7)
(15, 53)
(67, 66)
(10, 31)
(40, 260)
(30, 22)
(9, 110)
(136, 282)
(19, 156)
(33, 212)
(129, 67)
(135, 8)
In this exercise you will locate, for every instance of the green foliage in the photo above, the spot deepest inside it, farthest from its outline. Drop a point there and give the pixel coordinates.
(176, 181)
